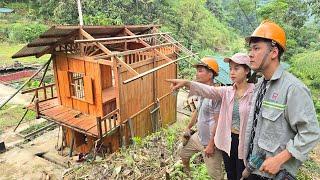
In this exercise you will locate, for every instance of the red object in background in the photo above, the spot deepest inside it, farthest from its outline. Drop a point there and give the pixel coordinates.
(16, 75)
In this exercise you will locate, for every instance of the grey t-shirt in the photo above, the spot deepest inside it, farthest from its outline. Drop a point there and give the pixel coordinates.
(207, 110)
(236, 115)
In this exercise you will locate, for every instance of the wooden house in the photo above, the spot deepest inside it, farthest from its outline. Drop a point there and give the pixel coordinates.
(109, 83)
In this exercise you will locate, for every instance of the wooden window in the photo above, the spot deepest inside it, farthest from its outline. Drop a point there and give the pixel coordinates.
(77, 85)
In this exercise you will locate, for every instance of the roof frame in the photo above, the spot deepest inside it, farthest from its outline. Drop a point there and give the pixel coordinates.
(148, 45)
(107, 51)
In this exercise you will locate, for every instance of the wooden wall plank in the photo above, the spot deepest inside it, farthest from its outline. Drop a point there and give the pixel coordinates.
(88, 90)
(76, 65)
(55, 73)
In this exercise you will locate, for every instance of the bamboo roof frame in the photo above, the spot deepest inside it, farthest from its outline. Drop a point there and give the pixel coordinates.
(118, 38)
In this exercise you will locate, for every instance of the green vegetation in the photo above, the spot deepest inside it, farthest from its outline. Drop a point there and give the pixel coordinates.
(8, 49)
(306, 67)
(11, 114)
(34, 128)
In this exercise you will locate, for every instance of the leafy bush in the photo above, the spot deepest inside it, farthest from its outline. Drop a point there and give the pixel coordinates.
(306, 67)
(18, 32)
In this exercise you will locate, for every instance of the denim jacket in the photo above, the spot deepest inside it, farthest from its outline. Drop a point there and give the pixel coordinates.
(287, 120)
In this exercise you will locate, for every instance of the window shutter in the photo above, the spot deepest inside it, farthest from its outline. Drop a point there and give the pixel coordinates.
(65, 83)
(88, 91)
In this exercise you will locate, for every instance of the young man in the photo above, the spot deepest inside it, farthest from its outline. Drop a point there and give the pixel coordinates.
(205, 116)
(282, 122)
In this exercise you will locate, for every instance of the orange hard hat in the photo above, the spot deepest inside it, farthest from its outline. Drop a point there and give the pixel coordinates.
(210, 63)
(270, 30)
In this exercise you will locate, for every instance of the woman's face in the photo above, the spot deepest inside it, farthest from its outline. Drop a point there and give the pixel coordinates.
(238, 73)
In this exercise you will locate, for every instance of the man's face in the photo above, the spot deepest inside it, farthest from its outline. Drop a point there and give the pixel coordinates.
(203, 74)
(257, 53)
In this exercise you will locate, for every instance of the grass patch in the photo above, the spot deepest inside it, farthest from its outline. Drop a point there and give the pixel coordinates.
(309, 170)
(11, 114)
(34, 128)
(7, 50)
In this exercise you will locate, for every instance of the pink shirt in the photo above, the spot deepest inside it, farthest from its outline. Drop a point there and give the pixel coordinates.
(222, 137)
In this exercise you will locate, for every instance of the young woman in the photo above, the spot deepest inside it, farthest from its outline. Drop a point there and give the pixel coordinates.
(234, 112)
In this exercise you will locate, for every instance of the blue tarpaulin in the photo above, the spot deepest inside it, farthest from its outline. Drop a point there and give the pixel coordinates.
(224, 71)
(6, 10)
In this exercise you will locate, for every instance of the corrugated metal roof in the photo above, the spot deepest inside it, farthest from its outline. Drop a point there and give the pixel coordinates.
(31, 51)
(57, 34)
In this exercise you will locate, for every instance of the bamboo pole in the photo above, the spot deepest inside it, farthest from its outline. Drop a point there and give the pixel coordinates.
(118, 38)
(23, 85)
(154, 69)
(34, 96)
(132, 51)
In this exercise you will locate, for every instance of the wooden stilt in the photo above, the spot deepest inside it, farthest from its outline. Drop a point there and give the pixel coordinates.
(72, 144)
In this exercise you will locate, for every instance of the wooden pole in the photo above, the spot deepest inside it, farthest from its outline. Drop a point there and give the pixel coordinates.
(37, 108)
(99, 128)
(80, 12)
(72, 143)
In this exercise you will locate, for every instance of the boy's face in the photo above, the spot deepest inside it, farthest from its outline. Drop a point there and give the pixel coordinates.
(203, 74)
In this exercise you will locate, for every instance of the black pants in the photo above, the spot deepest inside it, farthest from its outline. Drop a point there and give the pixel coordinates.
(233, 165)
(257, 177)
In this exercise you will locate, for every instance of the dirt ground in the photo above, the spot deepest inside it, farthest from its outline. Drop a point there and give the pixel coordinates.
(37, 159)
(7, 91)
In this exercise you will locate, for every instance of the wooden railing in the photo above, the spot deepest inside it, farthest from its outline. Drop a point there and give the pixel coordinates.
(46, 91)
(109, 122)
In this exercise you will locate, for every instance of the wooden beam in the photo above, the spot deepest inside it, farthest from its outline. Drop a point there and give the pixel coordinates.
(38, 88)
(105, 62)
(133, 51)
(118, 38)
(107, 51)
(110, 114)
(147, 45)
(154, 69)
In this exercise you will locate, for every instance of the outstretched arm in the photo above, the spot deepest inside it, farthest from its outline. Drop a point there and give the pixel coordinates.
(196, 88)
